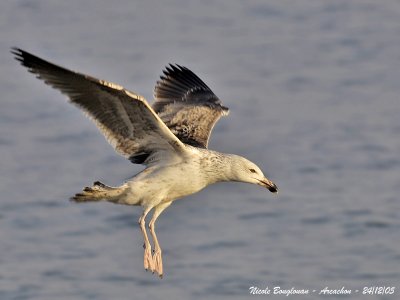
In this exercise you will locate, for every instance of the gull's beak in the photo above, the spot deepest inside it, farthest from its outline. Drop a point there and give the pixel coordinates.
(269, 185)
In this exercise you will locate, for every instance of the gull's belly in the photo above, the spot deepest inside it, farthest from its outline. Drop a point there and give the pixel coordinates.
(166, 184)
(179, 182)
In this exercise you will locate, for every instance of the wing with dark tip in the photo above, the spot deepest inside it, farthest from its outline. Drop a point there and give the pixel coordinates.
(126, 120)
(187, 105)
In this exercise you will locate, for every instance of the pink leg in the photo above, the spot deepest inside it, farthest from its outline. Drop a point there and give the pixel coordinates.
(148, 259)
(157, 257)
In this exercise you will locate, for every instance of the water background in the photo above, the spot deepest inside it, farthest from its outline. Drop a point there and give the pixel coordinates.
(313, 88)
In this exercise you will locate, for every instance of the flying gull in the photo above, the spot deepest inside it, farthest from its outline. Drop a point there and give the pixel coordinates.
(170, 138)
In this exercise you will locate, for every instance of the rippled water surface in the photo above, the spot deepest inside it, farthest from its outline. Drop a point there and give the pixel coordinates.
(313, 88)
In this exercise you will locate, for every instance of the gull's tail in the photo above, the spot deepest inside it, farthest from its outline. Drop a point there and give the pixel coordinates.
(98, 192)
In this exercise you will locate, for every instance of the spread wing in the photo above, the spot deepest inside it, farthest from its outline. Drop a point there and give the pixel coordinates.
(187, 105)
(126, 120)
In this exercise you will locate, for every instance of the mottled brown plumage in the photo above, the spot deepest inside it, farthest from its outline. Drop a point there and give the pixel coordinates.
(187, 105)
(125, 118)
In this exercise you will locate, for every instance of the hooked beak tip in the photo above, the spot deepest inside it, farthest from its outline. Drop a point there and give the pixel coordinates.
(273, 188)
(269, 185)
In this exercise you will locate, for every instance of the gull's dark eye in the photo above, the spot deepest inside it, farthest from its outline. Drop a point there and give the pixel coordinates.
(252, 171)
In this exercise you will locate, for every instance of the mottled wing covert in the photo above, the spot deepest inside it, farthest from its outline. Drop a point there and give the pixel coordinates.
(187, 105)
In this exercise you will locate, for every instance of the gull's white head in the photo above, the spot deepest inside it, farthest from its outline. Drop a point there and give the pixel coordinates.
(246, 171)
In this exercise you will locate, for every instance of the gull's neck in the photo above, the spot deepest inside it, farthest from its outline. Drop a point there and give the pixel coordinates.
(217, 166)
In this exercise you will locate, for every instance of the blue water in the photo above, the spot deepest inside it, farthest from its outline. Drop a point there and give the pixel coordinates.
(313, 88)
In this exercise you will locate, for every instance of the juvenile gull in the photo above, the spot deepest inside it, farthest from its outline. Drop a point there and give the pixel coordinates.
(170, 138)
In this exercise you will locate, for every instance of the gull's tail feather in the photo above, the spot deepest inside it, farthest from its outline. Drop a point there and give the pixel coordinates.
(98, 192)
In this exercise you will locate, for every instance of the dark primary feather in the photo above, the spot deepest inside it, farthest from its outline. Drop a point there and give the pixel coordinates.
(127, 121)
(187, 105)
